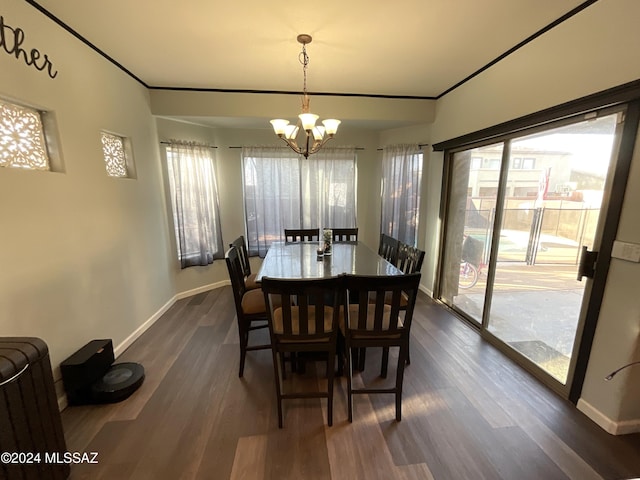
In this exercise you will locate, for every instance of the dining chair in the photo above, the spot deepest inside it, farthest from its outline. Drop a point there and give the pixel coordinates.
(388, 248)
(304, 317)
(301, 234)
(374, 323)
(409, 260)
(345, 234)
(249, 278)
(251, 311)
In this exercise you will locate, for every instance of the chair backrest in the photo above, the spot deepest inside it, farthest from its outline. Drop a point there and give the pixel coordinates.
(409, 258)
(388, 248)
(303, 310)
(345, 234)
(379, 303)
(236, 275)
(242, 252)
(301, 234)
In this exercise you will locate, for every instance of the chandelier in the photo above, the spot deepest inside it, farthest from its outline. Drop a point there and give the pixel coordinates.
(316, 135)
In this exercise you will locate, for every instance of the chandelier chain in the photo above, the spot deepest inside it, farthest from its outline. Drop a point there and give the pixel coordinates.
(304, 60)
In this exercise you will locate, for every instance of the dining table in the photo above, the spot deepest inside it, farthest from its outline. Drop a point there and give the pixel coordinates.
(300, 260)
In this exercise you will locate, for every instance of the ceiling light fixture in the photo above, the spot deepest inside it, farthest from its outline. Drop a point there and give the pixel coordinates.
(316, 136)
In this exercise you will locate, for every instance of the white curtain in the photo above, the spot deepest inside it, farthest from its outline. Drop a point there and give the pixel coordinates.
(285, 190)
(329, 186)
(194, 199)
(271, 195)
(401, 179)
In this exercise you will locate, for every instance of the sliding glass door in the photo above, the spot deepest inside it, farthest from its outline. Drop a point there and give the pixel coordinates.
(518, 215)
(472, 204)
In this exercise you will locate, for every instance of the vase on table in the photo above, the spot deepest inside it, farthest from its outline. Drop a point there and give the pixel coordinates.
(327, 237)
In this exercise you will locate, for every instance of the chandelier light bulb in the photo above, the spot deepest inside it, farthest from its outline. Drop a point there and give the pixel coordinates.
(318, 132)
(331, 125)
(308, 121)
(279, 125)
(291, 131)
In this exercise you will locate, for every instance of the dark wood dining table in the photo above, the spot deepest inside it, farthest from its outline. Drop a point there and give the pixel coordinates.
(299, 260)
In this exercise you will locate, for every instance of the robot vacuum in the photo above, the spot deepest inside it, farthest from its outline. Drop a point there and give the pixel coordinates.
(120, 381)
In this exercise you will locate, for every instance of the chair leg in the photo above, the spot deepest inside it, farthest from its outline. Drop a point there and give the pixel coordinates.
(278, 385)
(330, 377)
(402, 358)
(301, 366)
(362, 356)
(349, 390)
(244, 341)
(385, 362)
(340, 352)
(283, 366)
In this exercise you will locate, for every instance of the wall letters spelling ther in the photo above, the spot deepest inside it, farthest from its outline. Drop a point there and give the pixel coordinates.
(11, 41)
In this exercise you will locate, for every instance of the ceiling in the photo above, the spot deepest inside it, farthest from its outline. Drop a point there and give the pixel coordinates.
(406, 48)
(410, 48)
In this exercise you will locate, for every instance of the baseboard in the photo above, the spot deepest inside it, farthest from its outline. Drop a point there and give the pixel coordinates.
(204, 288)
(127, 342)
(610, 426)
(424, 289)
(146, 325)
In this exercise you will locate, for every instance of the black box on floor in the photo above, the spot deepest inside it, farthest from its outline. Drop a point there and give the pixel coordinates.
(85, 367)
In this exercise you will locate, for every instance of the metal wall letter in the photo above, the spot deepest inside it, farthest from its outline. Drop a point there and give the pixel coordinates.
(11, 40)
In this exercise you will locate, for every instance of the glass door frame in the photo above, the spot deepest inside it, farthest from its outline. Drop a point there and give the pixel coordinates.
(610, 211)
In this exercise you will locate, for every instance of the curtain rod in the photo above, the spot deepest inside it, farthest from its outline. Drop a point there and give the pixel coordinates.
(335, 148)
(171, 143)
(420, 145)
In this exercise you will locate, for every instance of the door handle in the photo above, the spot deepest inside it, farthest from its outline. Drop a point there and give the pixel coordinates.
(587, 265)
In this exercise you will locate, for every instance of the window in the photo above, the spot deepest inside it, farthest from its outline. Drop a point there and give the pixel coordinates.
(526, 163)
(194, 201)
(284, 190)
(22, 139)
(117, 154)
(491, 163)
(401, 180)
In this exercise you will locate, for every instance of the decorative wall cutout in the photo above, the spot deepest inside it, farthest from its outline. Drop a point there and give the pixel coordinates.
(114, 155)
(22, 142)
(11, 40)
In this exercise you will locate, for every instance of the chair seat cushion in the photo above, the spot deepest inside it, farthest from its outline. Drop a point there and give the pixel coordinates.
(278, 327)
(253, 302)
(250, 282)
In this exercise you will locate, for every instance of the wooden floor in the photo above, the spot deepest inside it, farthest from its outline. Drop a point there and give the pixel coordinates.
(468, 413)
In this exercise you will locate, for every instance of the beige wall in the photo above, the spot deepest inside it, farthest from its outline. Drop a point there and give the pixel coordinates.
(82, 255)
(592, 51)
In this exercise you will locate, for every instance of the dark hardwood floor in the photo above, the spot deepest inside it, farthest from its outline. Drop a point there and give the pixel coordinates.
(468, 413)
